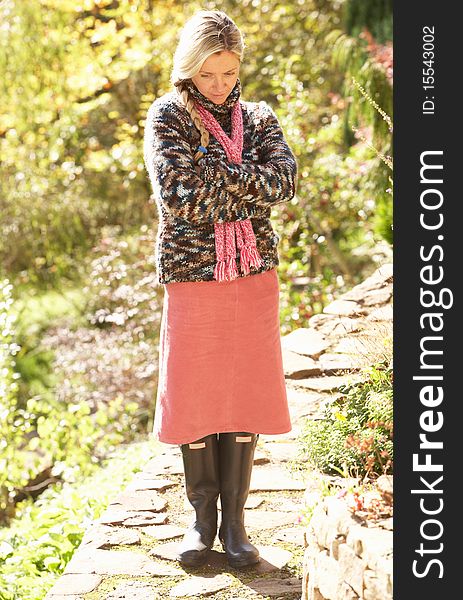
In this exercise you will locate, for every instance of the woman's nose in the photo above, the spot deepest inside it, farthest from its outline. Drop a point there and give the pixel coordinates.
(220, 85)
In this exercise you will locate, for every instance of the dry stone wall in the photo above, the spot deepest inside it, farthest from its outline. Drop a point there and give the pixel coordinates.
(345, 558)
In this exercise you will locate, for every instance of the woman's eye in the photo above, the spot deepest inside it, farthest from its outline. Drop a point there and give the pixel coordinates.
(226, 74)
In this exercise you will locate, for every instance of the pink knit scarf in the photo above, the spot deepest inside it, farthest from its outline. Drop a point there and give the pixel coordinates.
(225, 233)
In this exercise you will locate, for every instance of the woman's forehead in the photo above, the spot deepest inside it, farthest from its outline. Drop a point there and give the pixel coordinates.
(219, 63)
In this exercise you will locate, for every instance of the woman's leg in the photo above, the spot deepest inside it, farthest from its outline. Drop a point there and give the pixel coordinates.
(236, 453)
(201, 465)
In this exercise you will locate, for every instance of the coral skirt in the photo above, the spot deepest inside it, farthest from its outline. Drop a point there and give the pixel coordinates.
(220, 361)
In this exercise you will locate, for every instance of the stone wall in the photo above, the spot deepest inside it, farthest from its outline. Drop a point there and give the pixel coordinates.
(346, 558)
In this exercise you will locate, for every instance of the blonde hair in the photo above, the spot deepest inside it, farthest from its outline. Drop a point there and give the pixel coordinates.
(205, 33)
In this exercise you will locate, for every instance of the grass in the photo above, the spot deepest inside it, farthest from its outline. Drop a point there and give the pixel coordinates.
(45, 533)
(36, 311)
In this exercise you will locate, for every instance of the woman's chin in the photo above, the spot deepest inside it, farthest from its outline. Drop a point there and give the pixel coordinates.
(218, 99)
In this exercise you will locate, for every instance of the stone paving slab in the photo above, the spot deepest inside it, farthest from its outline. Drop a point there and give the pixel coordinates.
(253, 501)
(99, 535)
(330, 362)
(358, 344)
(140, 501)
(297, 366)
(328, 383)
(338, 326)
(383, 313)
(63, 597)
(274, 478)
(195, 586)
(294, 535)
(265, 519)
(80, 583)
(120, 515)
(164, 532)
(281, 451)
(120, 562)
(305, 341)
(135, 590)
(168, 463)
(342, 307)
(276, 587)
(145, 483)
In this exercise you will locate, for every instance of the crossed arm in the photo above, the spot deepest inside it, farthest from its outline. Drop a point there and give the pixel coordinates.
(274, 179)
(227, 192)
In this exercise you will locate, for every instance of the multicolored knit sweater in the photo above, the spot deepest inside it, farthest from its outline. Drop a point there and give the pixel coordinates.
(192, 197)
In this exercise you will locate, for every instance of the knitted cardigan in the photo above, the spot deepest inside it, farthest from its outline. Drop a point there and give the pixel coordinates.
(191, 197)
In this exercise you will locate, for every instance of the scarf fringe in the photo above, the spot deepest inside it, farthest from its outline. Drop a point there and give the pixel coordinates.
(219, 270)
(226, 270)
(250, 257)
(232, 271)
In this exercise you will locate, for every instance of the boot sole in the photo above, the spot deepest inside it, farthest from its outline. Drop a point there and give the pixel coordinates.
(193, 560)
(236, 563)
(242, 564)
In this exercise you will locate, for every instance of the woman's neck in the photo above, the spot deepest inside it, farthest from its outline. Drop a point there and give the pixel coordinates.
(220, 111)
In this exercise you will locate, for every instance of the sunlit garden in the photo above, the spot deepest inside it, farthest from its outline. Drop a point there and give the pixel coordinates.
(79, 305)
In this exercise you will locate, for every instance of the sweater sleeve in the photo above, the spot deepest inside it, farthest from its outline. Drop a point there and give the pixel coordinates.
(274, 179)
(174, 179)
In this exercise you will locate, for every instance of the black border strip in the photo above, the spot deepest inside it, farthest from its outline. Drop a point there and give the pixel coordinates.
(427, 257)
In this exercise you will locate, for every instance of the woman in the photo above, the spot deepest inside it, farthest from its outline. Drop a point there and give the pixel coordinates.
(217, 165)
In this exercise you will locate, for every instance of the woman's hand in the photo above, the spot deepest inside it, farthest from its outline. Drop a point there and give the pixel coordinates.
(210, 168)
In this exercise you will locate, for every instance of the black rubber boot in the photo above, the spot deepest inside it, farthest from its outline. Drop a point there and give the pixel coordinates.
(201, 465)
(236, 452)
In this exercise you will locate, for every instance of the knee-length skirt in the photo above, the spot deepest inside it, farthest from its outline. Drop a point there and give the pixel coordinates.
(220, 359)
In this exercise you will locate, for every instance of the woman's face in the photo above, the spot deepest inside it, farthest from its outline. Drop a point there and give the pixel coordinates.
(217, 76)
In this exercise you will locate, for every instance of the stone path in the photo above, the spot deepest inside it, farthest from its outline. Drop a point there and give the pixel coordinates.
(130, 551)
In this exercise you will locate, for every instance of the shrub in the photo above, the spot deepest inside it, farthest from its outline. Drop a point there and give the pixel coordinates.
(94, 386)
(13, 427)
(38, 545)
(355, 435)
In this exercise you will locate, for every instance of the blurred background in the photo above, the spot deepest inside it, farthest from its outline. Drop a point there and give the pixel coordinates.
(79, 307)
